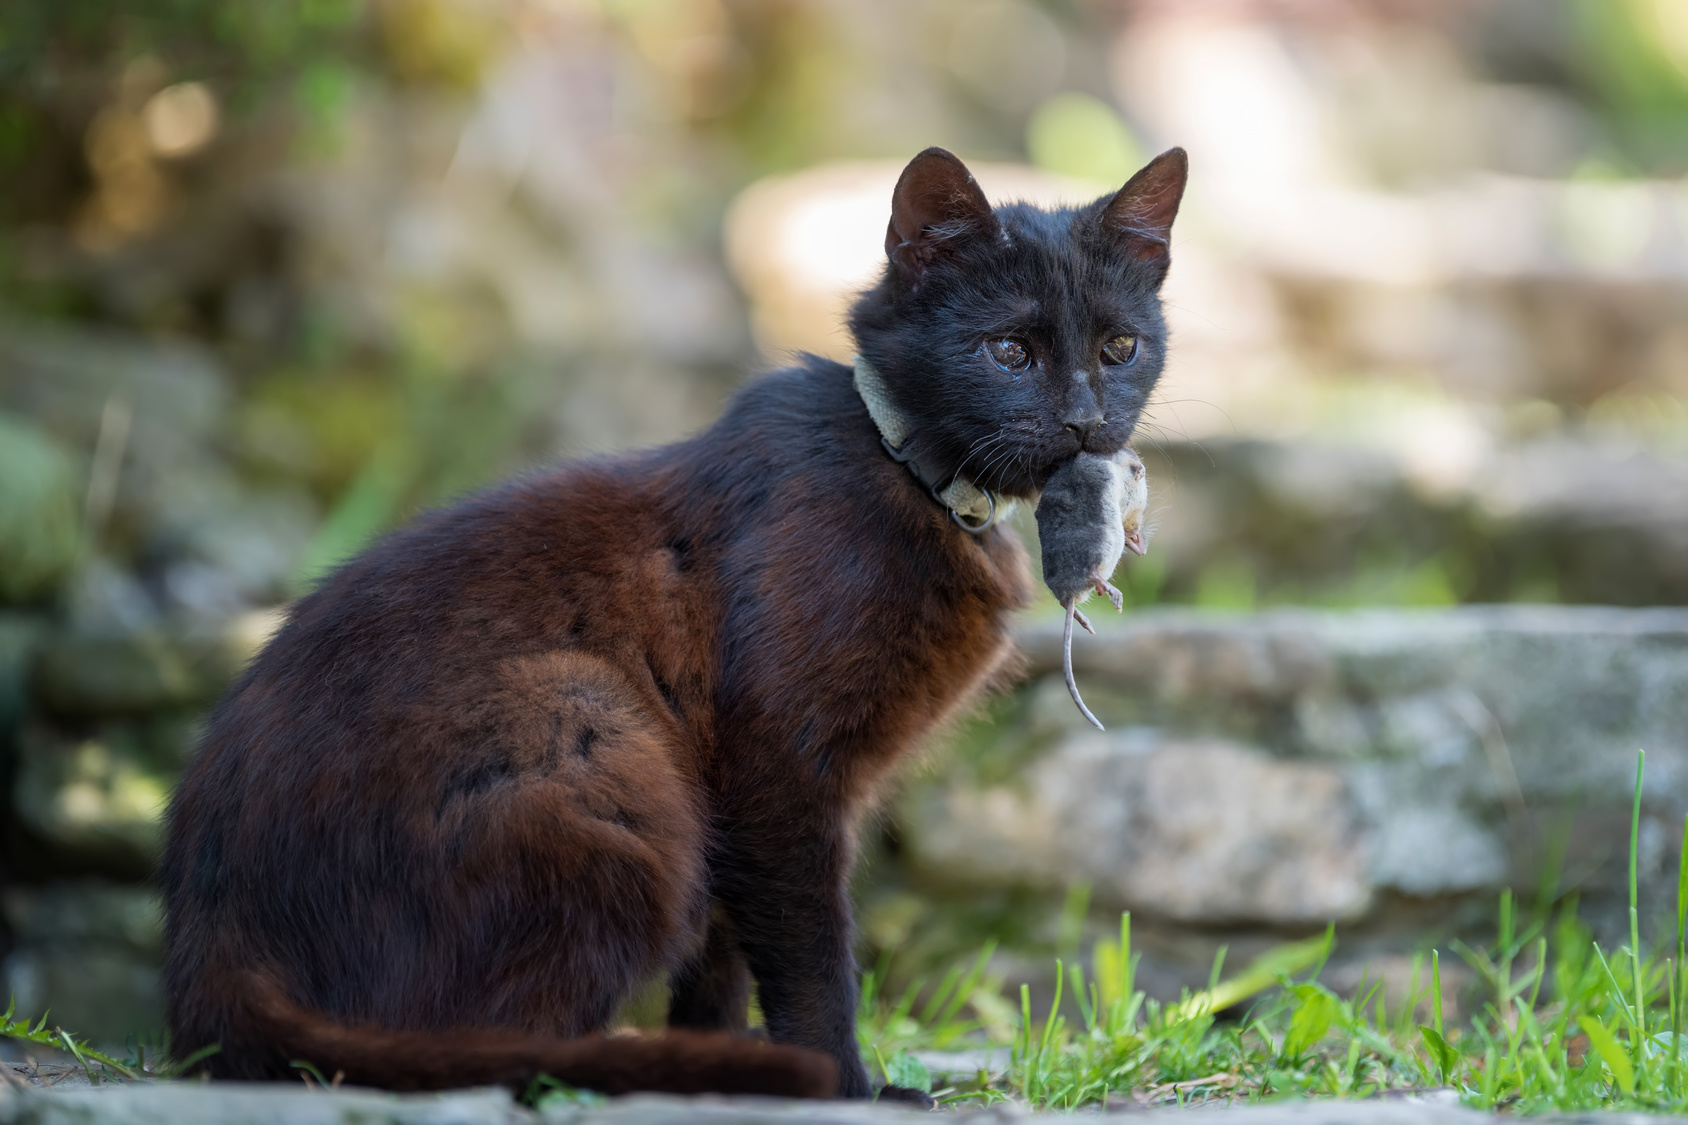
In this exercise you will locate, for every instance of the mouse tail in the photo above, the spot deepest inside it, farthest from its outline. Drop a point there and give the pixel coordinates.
(269, 1024)
(1067, 666)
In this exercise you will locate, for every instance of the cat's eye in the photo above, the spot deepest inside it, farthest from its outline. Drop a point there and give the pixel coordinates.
(1010, 355)
(1121, 349)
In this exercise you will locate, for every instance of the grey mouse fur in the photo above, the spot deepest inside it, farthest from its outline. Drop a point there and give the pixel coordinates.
(1091, 510)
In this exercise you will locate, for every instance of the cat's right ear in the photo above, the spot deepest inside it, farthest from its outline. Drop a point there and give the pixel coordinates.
(937, 203)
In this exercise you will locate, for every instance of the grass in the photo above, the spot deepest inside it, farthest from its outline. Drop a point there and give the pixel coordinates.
(98, 1065)
(1565, 1025)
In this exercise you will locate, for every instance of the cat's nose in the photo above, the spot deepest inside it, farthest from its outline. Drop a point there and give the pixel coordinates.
(1083, 424)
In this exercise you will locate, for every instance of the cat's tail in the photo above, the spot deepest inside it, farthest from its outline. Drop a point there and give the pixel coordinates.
(679, 1062)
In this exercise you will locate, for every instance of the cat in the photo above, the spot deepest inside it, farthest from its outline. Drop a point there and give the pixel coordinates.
(620, 719)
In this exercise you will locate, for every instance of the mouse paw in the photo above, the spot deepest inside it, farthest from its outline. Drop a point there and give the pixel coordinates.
(1108, 590)
(1084, 622)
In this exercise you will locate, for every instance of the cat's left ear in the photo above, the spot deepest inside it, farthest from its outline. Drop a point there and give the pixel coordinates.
(1139, 218)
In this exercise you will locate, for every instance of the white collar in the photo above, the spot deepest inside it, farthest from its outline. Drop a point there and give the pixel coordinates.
(972, 507)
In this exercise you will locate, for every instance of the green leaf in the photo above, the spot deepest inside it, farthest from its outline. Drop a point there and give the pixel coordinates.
(1606, 1045)
(1442, 1052)
(904, 1070)
(1260, 975)
(1313, 1017)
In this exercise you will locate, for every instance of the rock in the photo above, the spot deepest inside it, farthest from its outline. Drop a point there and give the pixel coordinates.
(946, 1067)
(1199, 831)
(87, 953)
(1295, 766)
(1558, 519)
(94, 800)
(86, 913)
(82, 675)
(214, 541)
(196, 1104)
(19, 636)
(40, 512)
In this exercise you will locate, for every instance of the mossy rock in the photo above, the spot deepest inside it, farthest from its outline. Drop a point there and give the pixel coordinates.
(40, 513)
(95, 801)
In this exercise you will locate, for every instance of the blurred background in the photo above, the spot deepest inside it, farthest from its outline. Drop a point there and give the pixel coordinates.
(274, 276)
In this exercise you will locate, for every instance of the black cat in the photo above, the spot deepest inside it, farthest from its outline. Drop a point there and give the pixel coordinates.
(620, 719)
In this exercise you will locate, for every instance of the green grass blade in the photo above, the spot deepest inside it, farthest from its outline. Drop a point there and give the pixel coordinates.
(1606, 1046)
(69, 1044)
(1436, 987)
(1634, 913)
(1441, 1052)
(940, 995)
(1617, 991)
(1261, 974)
(1054, 1012)
(185, 1066)
(1128, 967)
(1681, 949)
(1218, 967)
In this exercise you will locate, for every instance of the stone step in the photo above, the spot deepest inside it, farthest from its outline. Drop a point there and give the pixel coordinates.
(201, 1104)
(1292, 767)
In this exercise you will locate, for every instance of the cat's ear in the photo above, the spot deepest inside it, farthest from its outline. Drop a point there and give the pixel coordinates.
(936, 205)
(1139, 218)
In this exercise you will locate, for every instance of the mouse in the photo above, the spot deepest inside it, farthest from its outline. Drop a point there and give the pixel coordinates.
(1090, 513)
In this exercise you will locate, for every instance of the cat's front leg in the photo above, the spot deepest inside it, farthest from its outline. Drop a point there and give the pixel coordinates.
(783, 878)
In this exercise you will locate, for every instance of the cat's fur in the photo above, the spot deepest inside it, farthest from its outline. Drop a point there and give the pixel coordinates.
(619, 719)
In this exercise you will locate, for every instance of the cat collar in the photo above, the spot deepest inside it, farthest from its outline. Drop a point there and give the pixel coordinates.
(971, 507)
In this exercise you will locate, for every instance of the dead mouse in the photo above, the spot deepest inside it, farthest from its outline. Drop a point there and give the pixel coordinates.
(1090, 512)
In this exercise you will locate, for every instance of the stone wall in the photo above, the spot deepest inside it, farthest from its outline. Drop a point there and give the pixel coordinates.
(1559, 518)
(1266, 774)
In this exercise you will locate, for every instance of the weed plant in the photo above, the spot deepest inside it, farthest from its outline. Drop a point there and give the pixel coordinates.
(1566, 1025)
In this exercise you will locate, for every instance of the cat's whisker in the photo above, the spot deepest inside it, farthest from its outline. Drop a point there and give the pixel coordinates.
(974, 451)
(996, 452)
(997, 458)
(971, 449)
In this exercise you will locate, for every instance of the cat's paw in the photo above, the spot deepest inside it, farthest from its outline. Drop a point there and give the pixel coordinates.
(907, 1095)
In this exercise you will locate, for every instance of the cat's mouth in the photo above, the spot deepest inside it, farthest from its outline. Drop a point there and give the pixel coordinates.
(1021, 468)
(1107, 440)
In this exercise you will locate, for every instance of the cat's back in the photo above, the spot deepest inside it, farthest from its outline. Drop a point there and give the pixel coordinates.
(500, 572)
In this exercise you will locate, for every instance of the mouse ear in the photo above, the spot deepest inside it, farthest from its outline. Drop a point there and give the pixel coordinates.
(936, 205)
(1139, 218)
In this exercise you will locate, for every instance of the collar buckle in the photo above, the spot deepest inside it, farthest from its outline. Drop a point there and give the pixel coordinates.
(937, 489)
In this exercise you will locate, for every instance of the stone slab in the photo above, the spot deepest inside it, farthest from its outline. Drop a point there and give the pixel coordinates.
(1296, 766)
(206, 1104)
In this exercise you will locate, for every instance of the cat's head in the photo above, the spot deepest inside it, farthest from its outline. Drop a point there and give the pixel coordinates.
(1012, 338)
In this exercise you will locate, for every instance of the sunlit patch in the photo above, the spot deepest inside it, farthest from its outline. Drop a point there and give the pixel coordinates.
(181, 119)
